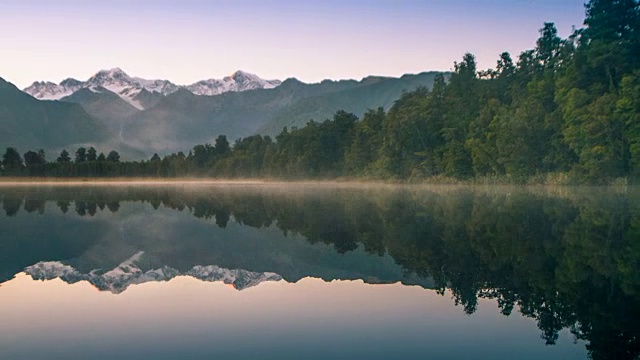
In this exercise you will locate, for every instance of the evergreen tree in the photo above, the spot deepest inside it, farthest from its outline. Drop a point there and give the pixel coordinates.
(222, 147)
(12, 161)
(113, 156)
(64, 157)
(92, 154)
(81, 155)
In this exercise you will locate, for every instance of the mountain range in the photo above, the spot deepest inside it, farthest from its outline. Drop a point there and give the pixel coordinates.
(132, 272)
(139, 117)
(129, 88)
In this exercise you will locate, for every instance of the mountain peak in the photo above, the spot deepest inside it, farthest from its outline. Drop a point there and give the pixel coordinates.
(70, 82)
(240, 76)
(114, 73)
(238, 81)
(240, 72)
(115, 70)
(41, 83)
(294, 82)
(127, 87)
(47, 90)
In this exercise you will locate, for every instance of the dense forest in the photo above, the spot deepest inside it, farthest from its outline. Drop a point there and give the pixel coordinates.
(566, 111)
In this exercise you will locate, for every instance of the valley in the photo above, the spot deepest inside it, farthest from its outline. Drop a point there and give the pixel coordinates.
(139, 117)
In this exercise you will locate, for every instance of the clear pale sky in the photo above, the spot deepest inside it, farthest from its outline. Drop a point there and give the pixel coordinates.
(190, 40)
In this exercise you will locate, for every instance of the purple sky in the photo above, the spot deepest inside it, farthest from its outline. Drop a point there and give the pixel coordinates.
(189, 40)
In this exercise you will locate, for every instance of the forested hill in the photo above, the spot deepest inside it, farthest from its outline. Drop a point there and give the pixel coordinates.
(182, 119)
(27, 122)
(568, 108)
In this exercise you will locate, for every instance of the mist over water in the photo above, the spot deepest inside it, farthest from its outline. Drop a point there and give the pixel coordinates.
(312, 270)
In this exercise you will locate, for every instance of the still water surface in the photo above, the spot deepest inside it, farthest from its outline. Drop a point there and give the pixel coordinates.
(316, 272)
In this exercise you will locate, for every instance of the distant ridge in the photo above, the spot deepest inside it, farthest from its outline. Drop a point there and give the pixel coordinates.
(128, 88)
(139, 117)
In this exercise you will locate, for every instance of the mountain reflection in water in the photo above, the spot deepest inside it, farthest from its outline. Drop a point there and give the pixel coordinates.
(568, 259)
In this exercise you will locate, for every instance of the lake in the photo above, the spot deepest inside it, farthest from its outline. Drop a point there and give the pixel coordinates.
(318, 271)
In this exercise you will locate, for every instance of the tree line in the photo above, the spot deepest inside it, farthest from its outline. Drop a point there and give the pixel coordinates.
(568, 108)
(86, 162)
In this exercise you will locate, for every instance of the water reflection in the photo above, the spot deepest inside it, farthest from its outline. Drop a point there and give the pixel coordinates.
(567, 260)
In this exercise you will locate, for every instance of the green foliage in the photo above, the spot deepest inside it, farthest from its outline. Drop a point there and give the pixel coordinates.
(64, 157)
(568, 106)
(11, 161)
(92, 154)
(222, 147)
(35, 162)
(628, 109)
(612, 39)
(113, 156)
(548, 45)
(367, 141)
(81, 155)
(595, 133)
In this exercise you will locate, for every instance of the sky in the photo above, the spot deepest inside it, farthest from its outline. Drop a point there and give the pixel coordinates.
(190, 40)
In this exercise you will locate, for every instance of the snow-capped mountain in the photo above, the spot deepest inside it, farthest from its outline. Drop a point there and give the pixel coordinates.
(46, 90)
(238, 81)
(129, 273)
(163, 87)
(127, 87)
(114, 80)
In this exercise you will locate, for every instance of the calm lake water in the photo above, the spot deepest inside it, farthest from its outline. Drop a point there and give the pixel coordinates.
(318, 272)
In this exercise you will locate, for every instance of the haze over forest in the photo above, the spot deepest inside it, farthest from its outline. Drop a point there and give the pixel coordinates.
(566, 111)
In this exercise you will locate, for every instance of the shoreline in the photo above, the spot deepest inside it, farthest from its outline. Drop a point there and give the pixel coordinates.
(35, 181)
(340, 182)
(119, 181)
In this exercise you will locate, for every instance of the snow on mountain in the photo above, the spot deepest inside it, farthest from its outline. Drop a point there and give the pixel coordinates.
(71, 83)
(114, 80)
(50, 91)
(238, 81)
(117, 81)
(127, 87)
(163, 87)
(240, 279)
(129, 273)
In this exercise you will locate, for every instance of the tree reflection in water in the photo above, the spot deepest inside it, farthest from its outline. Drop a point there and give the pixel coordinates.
(569, 259)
